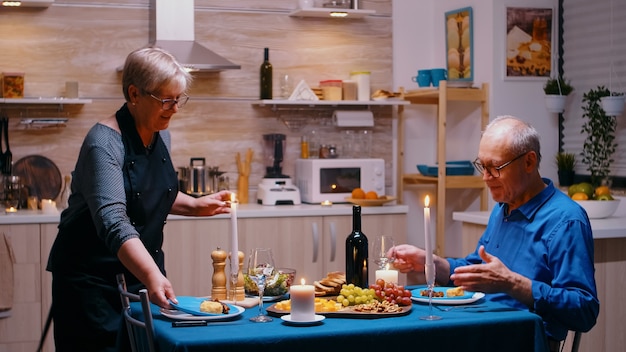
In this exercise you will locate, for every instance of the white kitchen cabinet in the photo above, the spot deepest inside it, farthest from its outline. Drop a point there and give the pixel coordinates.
(21, 331)
(313, 245)
(187, 246)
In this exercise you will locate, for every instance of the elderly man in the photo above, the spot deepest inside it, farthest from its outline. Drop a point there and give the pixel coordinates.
(537, 250)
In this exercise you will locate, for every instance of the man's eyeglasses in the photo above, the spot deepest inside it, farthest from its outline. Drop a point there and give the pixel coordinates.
(169, 103)
(494, 171)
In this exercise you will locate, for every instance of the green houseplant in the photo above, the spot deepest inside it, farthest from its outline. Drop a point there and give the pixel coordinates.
(556, 90)
(565, 163)
(600, 144)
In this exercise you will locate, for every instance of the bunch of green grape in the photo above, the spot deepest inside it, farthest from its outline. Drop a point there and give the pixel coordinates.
(351, 295)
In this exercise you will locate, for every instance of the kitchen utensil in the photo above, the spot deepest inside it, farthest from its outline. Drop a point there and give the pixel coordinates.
(199, 179)
(243, 167)
(40, 175)
(7, 157)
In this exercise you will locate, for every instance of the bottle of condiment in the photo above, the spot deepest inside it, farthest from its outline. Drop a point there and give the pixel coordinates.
(356, 252)
(266, 76)
(304, 147)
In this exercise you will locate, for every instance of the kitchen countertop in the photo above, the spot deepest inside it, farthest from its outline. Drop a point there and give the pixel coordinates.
(244, 211)
(611, 227)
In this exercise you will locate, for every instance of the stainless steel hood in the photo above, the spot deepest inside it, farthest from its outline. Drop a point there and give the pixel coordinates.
(172, 29)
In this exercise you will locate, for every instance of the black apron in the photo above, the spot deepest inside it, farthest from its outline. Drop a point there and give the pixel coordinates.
(151, 186)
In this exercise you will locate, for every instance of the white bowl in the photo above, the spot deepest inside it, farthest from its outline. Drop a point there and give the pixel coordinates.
(599, 209)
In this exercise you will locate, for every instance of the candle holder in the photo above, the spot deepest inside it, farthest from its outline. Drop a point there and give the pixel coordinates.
(430, 282)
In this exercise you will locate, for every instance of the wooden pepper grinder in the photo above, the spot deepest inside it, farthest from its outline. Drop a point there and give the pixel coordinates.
(218, 282)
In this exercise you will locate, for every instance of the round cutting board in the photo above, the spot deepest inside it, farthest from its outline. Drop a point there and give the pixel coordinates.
(40, 175)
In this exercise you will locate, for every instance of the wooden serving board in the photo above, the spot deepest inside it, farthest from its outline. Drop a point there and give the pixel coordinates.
(344, 313)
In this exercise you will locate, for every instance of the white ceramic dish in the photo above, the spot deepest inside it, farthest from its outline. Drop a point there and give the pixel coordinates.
(470, 297)
(599, 209)
(178, 315)
(316, 319)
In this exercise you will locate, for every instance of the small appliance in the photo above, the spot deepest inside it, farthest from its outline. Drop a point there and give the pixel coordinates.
(334, 179)
(276, 188)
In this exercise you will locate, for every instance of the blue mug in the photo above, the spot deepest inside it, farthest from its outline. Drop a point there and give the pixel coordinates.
(423, 78)
(438, 74)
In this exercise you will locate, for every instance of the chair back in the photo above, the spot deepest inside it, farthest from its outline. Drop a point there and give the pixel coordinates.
(137, 344)
(576, 341)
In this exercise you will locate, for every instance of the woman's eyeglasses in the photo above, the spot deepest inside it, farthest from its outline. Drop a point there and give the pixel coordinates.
(169, 103)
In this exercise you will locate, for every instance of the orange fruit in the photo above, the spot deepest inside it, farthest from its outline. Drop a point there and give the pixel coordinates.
(580, 196)
(602, 191)
(371, 195)
(358, 193)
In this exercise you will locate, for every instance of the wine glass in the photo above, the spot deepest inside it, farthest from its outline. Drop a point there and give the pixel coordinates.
(382, 245)
(260, 267)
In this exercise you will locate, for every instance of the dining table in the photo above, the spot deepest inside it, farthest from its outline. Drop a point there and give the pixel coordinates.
(480, 326)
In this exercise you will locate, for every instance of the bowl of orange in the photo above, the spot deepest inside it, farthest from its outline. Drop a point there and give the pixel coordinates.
(599, 209)
(368, 198)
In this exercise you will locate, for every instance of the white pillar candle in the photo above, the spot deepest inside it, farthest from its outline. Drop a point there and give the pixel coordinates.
(234, 236)
(387, 275)
(302, 302)
(48, 206)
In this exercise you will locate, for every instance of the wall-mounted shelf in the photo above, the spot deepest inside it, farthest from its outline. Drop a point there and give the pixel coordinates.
(330, 12)
(60, 101)
(330, 103)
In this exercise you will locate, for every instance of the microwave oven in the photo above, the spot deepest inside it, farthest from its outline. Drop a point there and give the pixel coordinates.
(334, 179)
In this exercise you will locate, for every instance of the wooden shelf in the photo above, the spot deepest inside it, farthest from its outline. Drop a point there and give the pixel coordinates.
(315, 103)
(54, 100)
(450, 181)
(441, 96)
(327, 12)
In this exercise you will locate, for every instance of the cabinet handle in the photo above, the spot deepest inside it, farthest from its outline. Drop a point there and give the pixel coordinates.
(333, 241)
(316, 241)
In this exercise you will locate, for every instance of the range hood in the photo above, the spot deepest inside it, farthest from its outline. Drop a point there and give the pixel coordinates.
(172, 29)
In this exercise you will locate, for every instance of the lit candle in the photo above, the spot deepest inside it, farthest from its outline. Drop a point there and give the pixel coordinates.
(430, 279)
(387, 275)
(11, 210)
(327, 203)
(48, 206)
(302, 302)
(234, 236)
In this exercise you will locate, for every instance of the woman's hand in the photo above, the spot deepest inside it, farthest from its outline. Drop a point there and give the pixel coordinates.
(212, 204)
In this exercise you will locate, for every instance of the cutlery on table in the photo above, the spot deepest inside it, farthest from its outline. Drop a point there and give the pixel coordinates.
(447, 309)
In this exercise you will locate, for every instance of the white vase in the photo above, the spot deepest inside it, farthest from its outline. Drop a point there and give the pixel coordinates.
(613, 105)
(555, 103)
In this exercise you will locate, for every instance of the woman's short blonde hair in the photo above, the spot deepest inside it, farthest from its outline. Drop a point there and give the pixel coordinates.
(151, 68)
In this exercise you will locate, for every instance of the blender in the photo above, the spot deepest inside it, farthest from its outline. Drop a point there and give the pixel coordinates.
(276, 188)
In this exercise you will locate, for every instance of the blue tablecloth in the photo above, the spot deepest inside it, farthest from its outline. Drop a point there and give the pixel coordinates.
(494, 328)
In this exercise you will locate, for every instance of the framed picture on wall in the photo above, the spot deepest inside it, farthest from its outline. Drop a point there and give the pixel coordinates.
(529, 41)
(460, 47)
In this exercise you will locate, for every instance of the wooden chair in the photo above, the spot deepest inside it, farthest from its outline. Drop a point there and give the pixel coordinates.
(137, 344)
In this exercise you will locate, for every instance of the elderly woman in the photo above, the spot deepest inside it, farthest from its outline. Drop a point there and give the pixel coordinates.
(124, 185)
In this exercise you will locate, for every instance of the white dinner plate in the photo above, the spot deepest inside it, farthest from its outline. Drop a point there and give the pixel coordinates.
(178, 315)
(316, 319)
(469, 297)
(191, 305)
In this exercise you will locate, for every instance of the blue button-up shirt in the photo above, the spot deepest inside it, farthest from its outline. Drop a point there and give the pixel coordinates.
(549, 241)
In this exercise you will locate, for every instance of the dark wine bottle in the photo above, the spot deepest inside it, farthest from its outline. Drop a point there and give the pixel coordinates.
(266, 76)
(356, 252)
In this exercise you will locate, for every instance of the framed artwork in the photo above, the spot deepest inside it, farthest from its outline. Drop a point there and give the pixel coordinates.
(459, 47)
(528, 43)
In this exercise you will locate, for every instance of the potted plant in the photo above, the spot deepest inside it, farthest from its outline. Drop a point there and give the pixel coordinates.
(556, 90)
(600, 144)
(565, 163)
(613, 103)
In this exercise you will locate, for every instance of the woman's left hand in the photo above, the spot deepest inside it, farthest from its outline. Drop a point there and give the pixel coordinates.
(212, 204)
